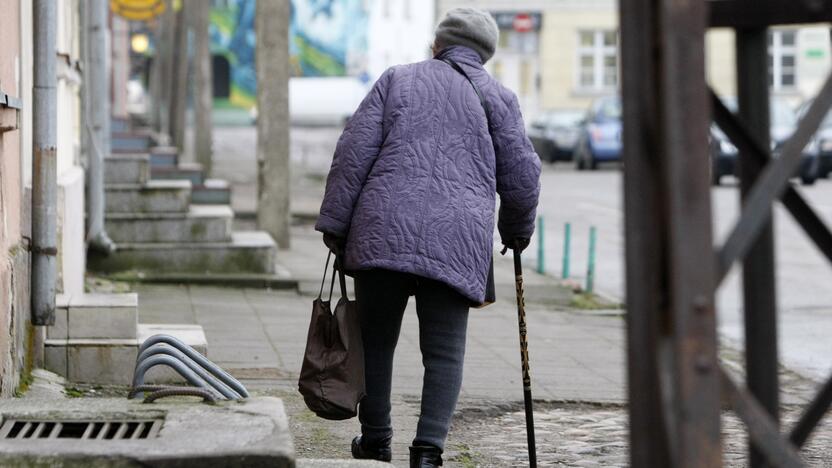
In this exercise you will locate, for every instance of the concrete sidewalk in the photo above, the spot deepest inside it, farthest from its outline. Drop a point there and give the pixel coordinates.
(575, 355)
(259, 336)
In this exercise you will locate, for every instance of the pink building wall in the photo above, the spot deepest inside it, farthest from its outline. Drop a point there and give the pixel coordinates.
(14, 218)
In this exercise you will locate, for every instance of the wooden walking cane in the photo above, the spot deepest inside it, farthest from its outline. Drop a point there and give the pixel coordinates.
(524, 356)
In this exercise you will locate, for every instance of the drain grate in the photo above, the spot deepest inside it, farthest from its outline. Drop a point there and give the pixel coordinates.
(23, 429)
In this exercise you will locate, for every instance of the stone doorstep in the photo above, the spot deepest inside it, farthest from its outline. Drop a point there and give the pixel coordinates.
(127, 142)
(163, 156)
(186, 171)
(112, 361)
(127, 168)
(92, 316)
(202, 223)
(120, 125)
(247, 252)
(253, 432)
(154, 196)
(212, 192)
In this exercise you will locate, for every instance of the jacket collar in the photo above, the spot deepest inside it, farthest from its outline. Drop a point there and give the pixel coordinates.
(461, 54)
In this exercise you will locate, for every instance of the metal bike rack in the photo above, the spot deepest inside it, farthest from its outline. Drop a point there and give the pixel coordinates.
(142, 367)
(214, 369)
(166, 350)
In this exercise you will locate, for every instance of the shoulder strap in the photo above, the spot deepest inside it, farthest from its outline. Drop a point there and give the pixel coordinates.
(484, 104)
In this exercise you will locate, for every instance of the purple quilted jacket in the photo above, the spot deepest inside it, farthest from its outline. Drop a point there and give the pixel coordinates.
(413, 180)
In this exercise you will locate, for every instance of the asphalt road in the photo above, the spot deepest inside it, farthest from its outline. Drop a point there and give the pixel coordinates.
(804, 294)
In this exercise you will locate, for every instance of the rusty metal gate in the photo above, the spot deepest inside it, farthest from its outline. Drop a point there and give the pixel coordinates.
(676, 385)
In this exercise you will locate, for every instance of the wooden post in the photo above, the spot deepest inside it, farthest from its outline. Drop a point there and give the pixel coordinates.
(673, 369)
(203, 81)
(759, 285)
(179, 83)
(272, 56)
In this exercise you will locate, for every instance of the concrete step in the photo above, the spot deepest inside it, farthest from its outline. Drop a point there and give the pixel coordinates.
(112, 360)
(120, 125)
(127, 168)
(93, 316)
(212, 192)
(184, 171)
(136, 141)
(247, 252)
(164, 156)
(153, 197)
(202, 223)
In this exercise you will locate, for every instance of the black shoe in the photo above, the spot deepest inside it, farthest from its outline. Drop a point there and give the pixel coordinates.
(378, 451)
(425, 456)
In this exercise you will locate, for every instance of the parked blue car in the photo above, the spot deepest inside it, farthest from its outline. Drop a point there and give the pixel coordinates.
(600, 134)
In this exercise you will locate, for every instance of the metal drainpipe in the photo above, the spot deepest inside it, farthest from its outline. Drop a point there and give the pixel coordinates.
(97, 116)
(44, 164)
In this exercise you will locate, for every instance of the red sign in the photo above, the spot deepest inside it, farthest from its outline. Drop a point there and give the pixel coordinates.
(523, 23)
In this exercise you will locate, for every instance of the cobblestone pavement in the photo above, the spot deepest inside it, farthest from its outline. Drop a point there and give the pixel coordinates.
(593, 436)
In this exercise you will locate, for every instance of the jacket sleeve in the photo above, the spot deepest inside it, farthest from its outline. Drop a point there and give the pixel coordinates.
(355, 154)
(518, 175)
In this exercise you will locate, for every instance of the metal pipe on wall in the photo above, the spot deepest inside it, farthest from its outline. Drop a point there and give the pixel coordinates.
(97, 118)
(44, 164)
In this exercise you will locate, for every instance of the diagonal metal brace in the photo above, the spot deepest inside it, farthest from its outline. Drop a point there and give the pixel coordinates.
(812, 415)
(794, 202)
(761, 427)
(772, 183)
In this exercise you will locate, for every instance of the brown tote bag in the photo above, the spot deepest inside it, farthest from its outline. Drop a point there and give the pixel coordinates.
(332, 376)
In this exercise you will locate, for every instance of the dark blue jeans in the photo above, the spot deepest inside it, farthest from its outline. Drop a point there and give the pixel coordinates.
(443, 319)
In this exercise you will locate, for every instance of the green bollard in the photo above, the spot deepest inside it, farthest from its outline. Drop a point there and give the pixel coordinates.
(541, 252)
(567, 239)
(590, 273)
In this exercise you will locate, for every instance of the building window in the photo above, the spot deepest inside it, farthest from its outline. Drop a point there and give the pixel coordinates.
(782, 60)
(597, 60)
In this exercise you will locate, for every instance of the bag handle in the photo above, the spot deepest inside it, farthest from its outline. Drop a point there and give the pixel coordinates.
(323, 280)
(342, 280)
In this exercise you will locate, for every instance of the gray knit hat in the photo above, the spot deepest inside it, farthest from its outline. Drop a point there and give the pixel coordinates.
(469, 27)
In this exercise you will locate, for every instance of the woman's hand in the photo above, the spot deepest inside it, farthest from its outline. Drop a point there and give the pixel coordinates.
(519, 244)
(335, 244)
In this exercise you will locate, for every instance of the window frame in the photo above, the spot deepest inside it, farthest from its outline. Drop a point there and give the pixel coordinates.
(777, 51)
(598, 52)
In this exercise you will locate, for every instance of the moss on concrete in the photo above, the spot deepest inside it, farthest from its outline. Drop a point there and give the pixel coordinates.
(589, 301)
(28, 362)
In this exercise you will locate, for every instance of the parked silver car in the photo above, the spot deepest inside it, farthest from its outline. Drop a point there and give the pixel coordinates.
(554, 134)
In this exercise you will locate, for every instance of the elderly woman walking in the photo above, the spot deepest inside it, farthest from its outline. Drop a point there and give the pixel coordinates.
(410, 206)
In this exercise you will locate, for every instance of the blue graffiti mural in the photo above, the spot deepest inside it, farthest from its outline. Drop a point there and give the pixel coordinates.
(327, 38)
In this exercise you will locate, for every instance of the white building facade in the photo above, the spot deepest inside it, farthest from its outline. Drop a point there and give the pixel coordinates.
(573, 57)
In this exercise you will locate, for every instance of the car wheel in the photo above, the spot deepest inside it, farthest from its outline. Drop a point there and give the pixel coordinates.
(809, 175)
(593, 164)
(808, 178)
(580, 162)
